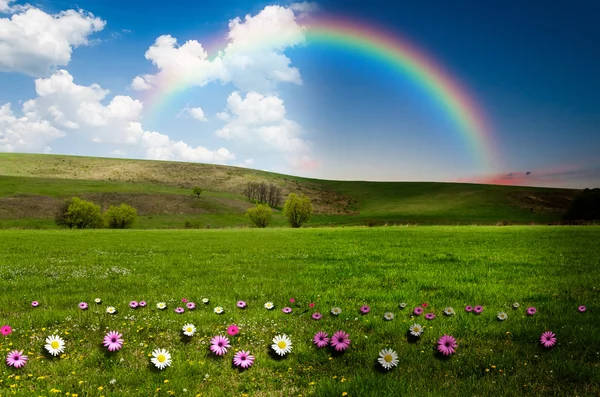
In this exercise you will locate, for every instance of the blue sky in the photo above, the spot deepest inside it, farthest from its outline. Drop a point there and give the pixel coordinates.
(300, 107)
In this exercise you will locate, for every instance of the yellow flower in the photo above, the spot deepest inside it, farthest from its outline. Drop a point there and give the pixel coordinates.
(344, 394)
(311, 384)
(100, 388)
(166, 381)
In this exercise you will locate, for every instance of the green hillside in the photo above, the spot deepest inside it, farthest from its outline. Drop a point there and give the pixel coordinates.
(32, 186)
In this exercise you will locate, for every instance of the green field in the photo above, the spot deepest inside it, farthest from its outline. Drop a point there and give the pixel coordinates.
(554, 269)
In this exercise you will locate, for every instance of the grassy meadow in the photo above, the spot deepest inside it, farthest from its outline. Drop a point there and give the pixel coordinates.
(554, 269)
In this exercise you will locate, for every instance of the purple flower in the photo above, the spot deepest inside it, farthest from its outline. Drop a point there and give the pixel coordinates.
(581, 309)
(531, 311)
(243, 359)
(233, 330)
(35, 303)
(317, 316)
(468, 309)
(83, 306)
(365, 309)
(143, 303)
(287, 310)
(6, 330)
(321, 339)
(548, 339)
(340, 341)
(16, 359)
(179, 310)
(418, 311)
(190, 305)
(292, 300)
(446, 345)
(133, 304)
(219, 345)
(113, 340)
(478, 309)
(430, 316)
(241, 304)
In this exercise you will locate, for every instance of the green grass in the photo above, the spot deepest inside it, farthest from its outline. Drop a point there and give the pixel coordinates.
(552, 268)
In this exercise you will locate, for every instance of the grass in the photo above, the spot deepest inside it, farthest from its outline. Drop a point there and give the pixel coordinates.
(552, 268)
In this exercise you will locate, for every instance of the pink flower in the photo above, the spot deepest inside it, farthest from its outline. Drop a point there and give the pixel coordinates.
(219, 345)
(16, 359)
(292, 300)
(430, 316)
(531, 311)
(5, 330)
(233, 330)
(241, 304)
(317, 316)
(478, 309)
(311, 305)
(468, 309)
(425, 304)
(581, 309)
(548, 339)
(365, 309)
(184, 300)
(446, 345)
(418, 311)
(179, 310)
(321, 339)
(133, 304)
(340, 341)
(83, 306)
(243, 359)
(113, 340)
(143, 303)
(190, 305)
(287, 310)
(35, 303)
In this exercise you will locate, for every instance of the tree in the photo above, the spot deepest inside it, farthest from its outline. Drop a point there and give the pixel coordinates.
(260, 216)
(297, 209)
(197, 191)
(121, 217)
(260, 192)
(80, 214)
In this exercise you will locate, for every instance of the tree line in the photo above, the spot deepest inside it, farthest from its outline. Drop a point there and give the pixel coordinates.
(263, 193)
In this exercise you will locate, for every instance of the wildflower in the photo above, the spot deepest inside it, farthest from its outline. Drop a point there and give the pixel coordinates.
(111, 310)
(449, 311)
(469, 309)
(516, 305)
(55, 345)
(340, 341)
(282, 345)
(161, 358)
(502, 316)
(161, 305)
(430, 316)
(190, 305)
(478, 309)
(218, 310)
(402, 305)
(269, 305)
(179, 310)
(5, 330)
(241, 304)
(311, 305)
(321, 339)
(133, 304)
(189, 329)
(389, 316)
(98, 301)
(388, 358)
(16, 359)
(233, 330)
(416, 330)
(292, 300)
(365, 309)
(143, 303)
(219, 345)
(35, 303)
(83, 305)
(424, 304)
(581, 309)
(446, 345)
(113, 341)
(418, 311)
(317, 316)
(184, 300)
(205, 301)
(243, 359)
(531, 311)
(336, 311)
(548, 339)
(287, 310)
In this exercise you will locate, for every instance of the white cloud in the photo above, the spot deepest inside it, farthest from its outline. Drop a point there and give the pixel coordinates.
(7, 8)
(161, 147)
(196, 113)
(252, 60)
(247, 163)
(34, 43)
(25, 134)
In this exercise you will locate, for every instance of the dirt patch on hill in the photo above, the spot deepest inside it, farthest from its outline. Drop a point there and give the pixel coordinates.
(554, 202)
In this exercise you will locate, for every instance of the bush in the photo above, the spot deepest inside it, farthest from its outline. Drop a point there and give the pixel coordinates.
(197, 191)
(586, 206)
(297, 209)
(121, 217)
(80, 214)
(260, 216)
(191, 225)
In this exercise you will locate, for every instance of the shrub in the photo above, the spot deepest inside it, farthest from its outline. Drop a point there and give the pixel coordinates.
(197, 191)
(121, 217)
(80, 214)
(260, 216)
(60, 218)
(297, 209)
(191, 225)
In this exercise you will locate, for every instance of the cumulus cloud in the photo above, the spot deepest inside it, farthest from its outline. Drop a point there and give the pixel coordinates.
(161, 147)
(35, 43)
(196, 113)
(252, 60)
(25, 134)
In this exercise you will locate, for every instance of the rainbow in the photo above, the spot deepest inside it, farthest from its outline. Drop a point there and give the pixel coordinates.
(398, 53)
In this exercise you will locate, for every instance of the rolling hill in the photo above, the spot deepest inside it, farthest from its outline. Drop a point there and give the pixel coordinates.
(32, 186)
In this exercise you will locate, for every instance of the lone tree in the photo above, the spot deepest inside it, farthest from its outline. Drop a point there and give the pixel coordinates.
(80, 214)
(121, 217)
(197, 191)
(297, 209)
(260, 216)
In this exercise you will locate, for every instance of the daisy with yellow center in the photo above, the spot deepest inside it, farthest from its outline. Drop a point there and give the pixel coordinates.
(111, 310)
(388, 358)
(189, 330)
(336, 311)
(416, 330)
(161, 305)
(502, 316)
(282, 345)
(161, 358)
(218, 310)
(269, 305)
(55, 345)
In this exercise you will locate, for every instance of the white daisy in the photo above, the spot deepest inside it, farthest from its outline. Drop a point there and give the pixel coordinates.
(402, 305)
(502, 316)
(282, 344)
(516, 305)
(111, 310)
(388, 316)
(218, 310)
(161, 358)
(55, 345)
(98, 300)
(449, 311)
(161, 305)
(205, 301)
(416, 330)
(269, 305)
(336, 311)
(189, 330)
(388, 358)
